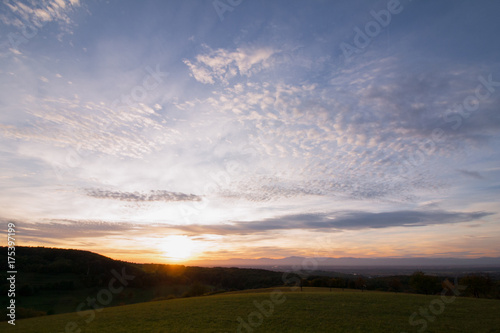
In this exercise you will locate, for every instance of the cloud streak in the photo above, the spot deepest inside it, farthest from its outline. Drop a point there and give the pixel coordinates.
(69, 229)
(153, 195)
(355, 220)
(472, 174)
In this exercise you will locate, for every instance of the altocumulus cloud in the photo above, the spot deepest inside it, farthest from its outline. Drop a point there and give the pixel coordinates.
(222, 65)
(154, 195)
(16, 13)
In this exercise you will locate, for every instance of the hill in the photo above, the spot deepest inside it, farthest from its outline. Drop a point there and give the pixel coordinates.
(51, 280)
(282, 310)
(55, 281)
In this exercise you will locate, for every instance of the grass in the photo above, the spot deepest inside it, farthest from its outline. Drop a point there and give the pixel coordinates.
(313, 310)
(64, 301)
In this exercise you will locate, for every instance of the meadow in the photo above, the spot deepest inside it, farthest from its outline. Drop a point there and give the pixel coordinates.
(281, 310)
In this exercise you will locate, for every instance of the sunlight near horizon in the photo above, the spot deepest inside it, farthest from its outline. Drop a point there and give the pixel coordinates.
(251, 140)
(178, 248)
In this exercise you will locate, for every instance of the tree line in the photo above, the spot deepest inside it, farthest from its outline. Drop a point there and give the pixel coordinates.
(45, 271)
(477, 285)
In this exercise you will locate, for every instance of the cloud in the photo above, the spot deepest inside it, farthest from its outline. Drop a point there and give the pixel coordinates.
(262, 189)
(472, 174)
(157, 195)
(68, 229)
(21, 14)
(222, 65)
(313, 139)
(354, 220)
(118, 130)
(52, 229)
(391, 91)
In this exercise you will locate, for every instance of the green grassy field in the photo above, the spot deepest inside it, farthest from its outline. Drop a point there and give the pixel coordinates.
(313, 310)
(67, 301)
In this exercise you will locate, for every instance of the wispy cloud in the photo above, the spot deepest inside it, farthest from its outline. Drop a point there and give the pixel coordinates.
(153, 195)
(68, 229)
(472, 174)
(355, 220)
(95, 127)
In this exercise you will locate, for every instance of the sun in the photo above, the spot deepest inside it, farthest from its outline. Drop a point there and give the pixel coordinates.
(177, 247)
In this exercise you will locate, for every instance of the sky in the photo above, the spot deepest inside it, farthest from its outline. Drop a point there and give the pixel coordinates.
(170, 131)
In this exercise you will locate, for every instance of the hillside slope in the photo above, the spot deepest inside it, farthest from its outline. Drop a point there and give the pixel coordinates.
(52, 280)
(313, 310)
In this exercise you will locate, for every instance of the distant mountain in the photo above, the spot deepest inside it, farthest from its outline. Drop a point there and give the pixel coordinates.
(354, 262)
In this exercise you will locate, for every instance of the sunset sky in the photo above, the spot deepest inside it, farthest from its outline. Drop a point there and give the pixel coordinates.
(168, 131)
